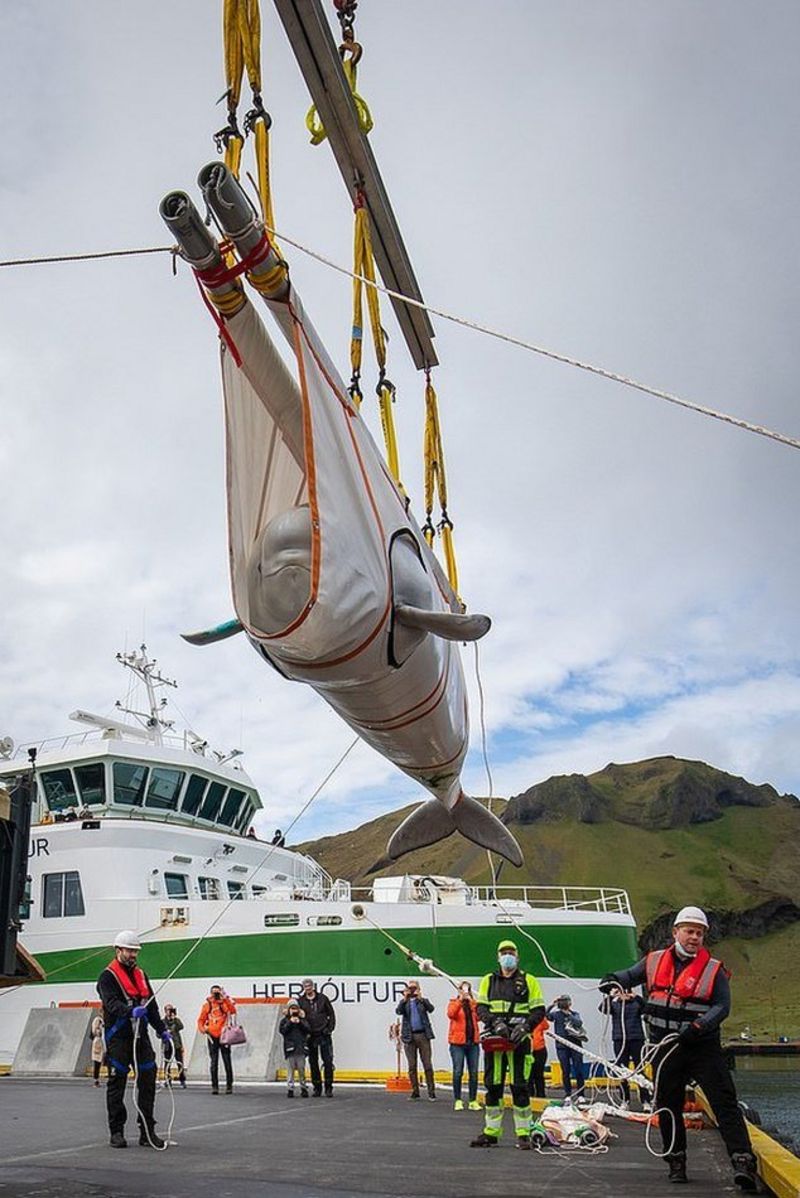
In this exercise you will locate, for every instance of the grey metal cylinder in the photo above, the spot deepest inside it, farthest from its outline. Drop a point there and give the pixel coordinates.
(240, 222)
(196, 241)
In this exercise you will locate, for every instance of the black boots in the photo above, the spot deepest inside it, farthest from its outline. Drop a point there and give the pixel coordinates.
(117, 1140)
(744, 1171)
(677, 1167)
(154, 1141)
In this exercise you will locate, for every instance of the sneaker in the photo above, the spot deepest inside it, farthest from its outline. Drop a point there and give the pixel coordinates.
(458, 1105)
(524, 1143)
(304, 1092)
(215, 1089)
(647, 1107)
(290, 1093)
(155, 1140)
(431, 1098)
(744, 1171)
(474, 1105)
(414, 1096)
(183, 1085)
(329, 1093)
(117, 1140)
(483, 1141)
(229, 1089)
(318, 1092)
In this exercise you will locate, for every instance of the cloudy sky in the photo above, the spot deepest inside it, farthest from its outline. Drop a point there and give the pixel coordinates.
(614, 179)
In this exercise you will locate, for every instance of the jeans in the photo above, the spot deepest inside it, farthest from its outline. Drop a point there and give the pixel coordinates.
(628, 1053)
(459, 1054)
(214, 1051)
(571, 1061)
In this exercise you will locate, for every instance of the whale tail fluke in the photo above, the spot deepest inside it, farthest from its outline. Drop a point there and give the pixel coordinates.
(432, 822)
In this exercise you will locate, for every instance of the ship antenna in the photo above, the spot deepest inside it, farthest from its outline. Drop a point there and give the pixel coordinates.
(145, 669)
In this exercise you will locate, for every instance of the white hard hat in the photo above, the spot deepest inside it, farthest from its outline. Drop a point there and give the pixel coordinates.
(691, 915)
(127, 939)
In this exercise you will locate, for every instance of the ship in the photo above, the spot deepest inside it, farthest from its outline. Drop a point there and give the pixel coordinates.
(138, 824)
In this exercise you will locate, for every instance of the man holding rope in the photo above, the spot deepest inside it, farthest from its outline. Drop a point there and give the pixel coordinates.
(128, 1007)
(688, 997)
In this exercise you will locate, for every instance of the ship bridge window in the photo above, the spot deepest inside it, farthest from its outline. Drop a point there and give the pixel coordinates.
(235, 890)
(230, 807)
(130, 782)
(213, 800)
(195, 789)
(91, 779)
(59, 789)
(244, 819)
(209, 888)
(164, 788)
(177, 885)
(62, 894)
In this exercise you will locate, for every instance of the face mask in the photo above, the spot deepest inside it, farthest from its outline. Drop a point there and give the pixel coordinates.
(684, 953)
(508, 960)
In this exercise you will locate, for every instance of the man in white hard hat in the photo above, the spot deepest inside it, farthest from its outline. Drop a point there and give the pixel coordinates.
(688, 997)
(128, 1008)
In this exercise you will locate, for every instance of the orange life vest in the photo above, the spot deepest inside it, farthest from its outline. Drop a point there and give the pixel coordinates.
(133, 982)
(678, 992)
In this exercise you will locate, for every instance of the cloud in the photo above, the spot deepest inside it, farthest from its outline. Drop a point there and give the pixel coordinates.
(620, 188)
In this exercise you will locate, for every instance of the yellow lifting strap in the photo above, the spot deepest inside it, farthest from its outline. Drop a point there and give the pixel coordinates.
(241, 23)
(365, 122)
(436, 484)
(364, 268)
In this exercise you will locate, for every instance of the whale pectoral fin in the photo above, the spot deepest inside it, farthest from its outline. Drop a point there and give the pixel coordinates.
(210, 636)
(450, 625)
(426, 825)
(473, 820)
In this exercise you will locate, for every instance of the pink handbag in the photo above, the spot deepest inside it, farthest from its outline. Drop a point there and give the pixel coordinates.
(232, 1033)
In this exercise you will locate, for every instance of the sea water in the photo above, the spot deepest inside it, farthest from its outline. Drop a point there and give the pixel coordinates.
(772, 1087)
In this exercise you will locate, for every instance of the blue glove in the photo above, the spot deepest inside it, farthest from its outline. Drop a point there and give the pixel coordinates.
(166, 1037)
(690, 1034)
(139, 1013)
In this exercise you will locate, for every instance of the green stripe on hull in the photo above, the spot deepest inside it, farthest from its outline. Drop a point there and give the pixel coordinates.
(578, 951)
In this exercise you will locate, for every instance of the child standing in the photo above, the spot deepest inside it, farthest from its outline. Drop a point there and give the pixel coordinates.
(295, 1031)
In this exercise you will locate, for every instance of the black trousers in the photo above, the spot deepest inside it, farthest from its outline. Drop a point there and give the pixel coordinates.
(536, 1079)
(215, 1050)
(628, 1053)
(120, 1058)
(321, 1046)
(495, 1067)
(703, 1063)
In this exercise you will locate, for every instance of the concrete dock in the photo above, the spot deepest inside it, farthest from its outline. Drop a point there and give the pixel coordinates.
(363, 1142)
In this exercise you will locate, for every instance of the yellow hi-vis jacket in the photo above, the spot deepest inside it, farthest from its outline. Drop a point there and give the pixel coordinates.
(503, 998)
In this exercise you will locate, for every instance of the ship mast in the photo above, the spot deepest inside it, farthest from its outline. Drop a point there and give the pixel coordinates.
(145, 669)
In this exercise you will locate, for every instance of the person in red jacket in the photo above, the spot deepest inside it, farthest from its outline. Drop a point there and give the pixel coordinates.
(464, 1039)
(211, 1021)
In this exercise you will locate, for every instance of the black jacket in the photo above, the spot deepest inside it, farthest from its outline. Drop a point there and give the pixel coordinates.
(295, 1035)
(319, 1013)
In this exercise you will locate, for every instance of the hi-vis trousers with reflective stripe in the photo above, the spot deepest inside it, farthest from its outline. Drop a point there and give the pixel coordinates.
(496, 1065)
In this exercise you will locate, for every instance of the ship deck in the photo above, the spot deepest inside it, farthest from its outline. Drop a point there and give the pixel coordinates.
(363, 1142)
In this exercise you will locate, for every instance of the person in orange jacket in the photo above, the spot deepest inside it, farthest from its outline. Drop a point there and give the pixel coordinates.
(536, 1079)
(211, 1021)
(464, 1040)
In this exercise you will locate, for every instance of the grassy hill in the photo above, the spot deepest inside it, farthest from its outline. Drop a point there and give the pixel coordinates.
(670, 832)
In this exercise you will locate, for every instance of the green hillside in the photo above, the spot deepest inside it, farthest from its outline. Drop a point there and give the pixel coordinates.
(670, 832)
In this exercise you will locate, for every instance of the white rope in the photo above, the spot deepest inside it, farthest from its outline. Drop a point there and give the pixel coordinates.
(489, 782)
(565, 359)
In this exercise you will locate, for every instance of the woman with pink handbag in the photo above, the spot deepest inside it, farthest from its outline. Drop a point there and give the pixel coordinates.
(212, 1022)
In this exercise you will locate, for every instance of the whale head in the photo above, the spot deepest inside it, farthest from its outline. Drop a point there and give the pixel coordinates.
(279, 571)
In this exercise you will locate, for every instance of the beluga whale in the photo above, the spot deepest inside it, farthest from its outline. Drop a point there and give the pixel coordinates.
(333, 582)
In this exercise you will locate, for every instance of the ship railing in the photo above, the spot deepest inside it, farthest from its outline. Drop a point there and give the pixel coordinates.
(608, 899)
